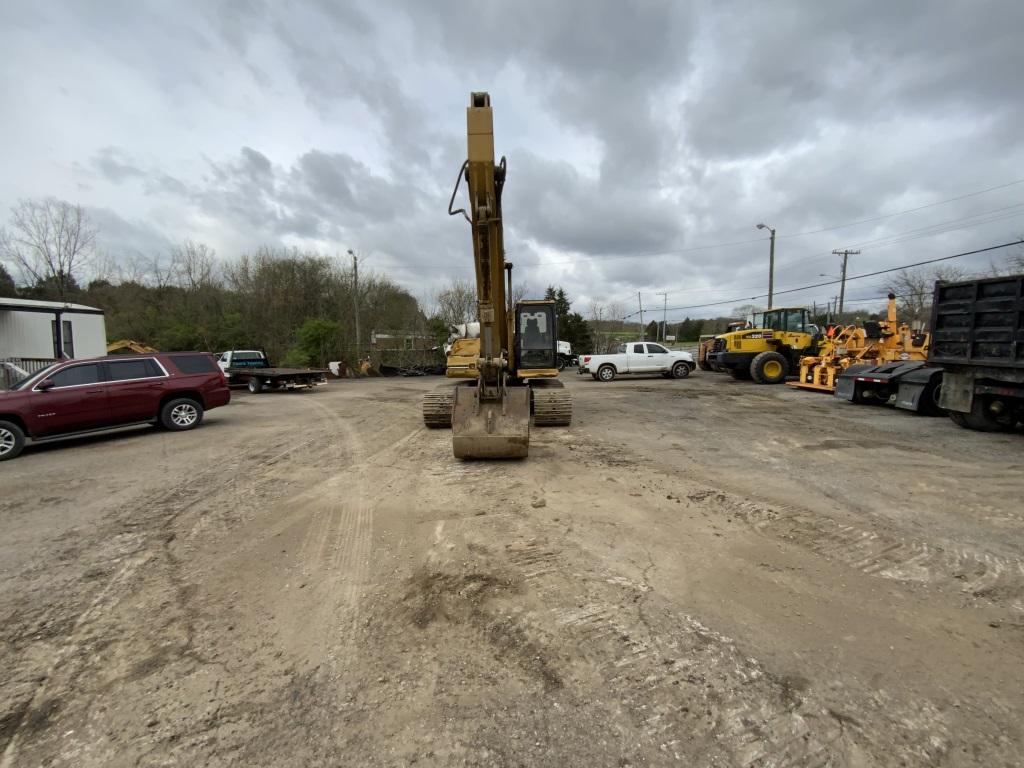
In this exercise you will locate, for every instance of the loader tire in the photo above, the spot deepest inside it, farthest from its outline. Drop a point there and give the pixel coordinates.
(769, 368)
(704, 365)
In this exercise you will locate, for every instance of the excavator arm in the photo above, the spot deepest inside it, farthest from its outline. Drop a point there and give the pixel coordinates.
(492, 419)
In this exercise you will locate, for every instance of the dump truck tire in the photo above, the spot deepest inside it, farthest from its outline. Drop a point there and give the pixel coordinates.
(769, 368)
(981, 419)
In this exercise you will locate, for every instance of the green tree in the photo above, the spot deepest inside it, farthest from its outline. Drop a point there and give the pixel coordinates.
(651, 331)
(319, 340)
(7, 287)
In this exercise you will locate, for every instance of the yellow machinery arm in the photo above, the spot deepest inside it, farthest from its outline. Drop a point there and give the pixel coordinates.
(490, 420)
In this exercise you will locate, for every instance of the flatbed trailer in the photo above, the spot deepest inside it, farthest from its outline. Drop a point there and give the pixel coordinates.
(260, 379)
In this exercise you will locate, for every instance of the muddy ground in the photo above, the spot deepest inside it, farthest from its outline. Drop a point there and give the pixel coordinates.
(698, 573)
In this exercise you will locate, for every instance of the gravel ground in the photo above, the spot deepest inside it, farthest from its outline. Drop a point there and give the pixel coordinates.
(700, 572)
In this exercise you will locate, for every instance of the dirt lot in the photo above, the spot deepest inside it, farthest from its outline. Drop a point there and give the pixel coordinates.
(698, 573)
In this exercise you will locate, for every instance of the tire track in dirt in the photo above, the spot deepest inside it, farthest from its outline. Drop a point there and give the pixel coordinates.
(883, 553)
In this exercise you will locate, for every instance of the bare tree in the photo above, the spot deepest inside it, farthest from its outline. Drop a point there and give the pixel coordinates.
(194, 265)
(914, 288)
(457, 303)
(49, 240)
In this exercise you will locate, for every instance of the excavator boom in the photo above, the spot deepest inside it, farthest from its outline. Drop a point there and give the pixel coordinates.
(490, 420)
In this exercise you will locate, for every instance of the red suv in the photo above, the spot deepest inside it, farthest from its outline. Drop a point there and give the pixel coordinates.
(75, 396)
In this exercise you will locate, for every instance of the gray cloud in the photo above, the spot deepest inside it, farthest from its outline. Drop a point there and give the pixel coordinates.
(636, 133)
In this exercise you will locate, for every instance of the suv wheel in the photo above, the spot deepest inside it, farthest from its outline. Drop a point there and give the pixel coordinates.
(181, 414)
(12, 440)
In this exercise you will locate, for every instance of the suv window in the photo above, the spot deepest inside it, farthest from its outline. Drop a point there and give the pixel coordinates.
(657, 349)
(123, 370)
(76, 375)
(196, 363)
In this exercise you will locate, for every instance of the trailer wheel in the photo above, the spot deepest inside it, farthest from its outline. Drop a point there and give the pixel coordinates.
(606, 373)
(680, 370)
(929, 404)
(769, 368)
(255, 386)
(12, 440)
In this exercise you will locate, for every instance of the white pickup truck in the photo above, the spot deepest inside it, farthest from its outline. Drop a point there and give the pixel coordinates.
(638, 357)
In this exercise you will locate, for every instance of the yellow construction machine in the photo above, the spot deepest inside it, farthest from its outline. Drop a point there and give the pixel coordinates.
(770, 351)
(877, 343)
(511, 370)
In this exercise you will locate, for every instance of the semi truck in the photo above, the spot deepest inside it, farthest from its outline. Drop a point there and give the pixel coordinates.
(975, 366)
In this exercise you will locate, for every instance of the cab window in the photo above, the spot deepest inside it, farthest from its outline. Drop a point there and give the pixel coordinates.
(795, 320)
(657, 349)
(76, 375)
(535, 330)
(638, 349)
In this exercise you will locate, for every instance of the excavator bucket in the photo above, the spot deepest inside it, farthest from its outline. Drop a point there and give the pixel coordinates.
(491, 430)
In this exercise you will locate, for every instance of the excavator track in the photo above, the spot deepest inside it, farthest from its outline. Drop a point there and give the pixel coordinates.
(552, 406)
(437, 409)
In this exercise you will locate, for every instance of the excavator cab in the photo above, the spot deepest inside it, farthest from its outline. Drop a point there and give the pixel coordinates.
(536, 339)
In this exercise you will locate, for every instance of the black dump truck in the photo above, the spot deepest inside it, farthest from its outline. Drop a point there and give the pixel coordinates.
(975, 367)
(978, 342)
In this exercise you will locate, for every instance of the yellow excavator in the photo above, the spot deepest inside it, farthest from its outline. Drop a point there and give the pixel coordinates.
(511, 370)
(876, 343)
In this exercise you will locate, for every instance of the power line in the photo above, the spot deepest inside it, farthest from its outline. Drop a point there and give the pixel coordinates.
(908, 210)
(854, 277)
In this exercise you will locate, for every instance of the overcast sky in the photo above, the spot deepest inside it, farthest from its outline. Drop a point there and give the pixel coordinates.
(638, 135)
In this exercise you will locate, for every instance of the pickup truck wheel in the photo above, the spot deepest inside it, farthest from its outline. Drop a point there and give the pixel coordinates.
(12, 440)
(606, 373)
(769, 368)
(255, 386)
(680, 370)
(181, 414)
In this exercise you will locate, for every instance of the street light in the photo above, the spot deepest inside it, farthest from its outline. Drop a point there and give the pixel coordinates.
(771, 263)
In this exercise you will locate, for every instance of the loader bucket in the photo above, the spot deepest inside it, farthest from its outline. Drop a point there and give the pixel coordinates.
(491, 430)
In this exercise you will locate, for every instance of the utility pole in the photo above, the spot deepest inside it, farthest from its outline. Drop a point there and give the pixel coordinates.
(664, 316)
(771, 263)
(846, 254)
(355, 295)
(643, 328)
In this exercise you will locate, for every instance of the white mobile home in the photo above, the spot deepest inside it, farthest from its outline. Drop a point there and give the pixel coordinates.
(32, 330)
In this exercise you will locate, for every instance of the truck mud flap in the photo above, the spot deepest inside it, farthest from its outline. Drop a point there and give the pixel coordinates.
(913, 386)
(489, 430)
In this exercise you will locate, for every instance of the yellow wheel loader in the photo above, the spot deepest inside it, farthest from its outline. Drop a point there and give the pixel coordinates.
(769, 353)
(511, 370)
